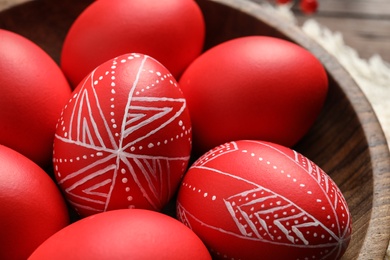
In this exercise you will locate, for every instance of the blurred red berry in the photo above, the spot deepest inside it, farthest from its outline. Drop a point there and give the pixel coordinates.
(308, 6)
(282, 2)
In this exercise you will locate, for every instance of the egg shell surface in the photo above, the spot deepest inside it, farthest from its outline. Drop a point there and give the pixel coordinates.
(124, 138)
(33, 92)
(259, 200)
(124, 234)
(171, 31)
(254, 87)
(32, 206)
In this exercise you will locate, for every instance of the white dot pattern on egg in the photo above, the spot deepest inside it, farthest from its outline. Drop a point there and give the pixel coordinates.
(124, 138)
(267, 200)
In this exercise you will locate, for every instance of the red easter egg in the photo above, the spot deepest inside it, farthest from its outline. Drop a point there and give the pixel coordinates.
(124, 138)
(171, 31)
(254, 87)
(32, 206)
(259, 200)
(124, 234)
(33, 92)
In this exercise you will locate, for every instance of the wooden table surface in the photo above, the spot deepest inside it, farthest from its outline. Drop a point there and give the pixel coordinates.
(364, 24)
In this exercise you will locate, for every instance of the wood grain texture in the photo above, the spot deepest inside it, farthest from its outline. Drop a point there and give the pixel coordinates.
(375, 8)
(365, 25)
(346, 141)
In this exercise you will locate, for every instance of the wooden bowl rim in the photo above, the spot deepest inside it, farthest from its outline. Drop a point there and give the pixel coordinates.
(377, 143)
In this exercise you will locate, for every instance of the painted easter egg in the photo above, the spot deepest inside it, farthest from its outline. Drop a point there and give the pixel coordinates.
(33, 92)
(32, 206)
(254, 87)
(260, 200)
(171, 31)
(124, 234)
(124, 138)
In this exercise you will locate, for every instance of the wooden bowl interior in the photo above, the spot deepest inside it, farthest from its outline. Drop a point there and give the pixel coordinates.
(340, 142)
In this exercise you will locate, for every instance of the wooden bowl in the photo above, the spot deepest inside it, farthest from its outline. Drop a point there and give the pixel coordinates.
(347, 141)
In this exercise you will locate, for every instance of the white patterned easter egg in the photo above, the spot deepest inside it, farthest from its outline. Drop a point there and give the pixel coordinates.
(124, 138)
(260, 200)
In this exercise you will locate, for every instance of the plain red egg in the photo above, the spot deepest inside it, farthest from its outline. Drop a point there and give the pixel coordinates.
(33, 92)
(253, 87)
(260, 200)
(32, 206)
(171, 31)
(124, 138)
(124, 234)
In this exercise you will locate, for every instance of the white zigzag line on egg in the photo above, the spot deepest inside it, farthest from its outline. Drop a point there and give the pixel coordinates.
(215, 153)
(333, 204)
(184, 212)
(330, 232)
(130, 96)
(84, 135)
(91, 189)
(91, 176)
(165, 110)
(84, 92)
(126, 154)
(124, 157)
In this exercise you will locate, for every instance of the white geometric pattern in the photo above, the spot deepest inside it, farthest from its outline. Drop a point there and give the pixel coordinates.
(137, 148)
(263, 215)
